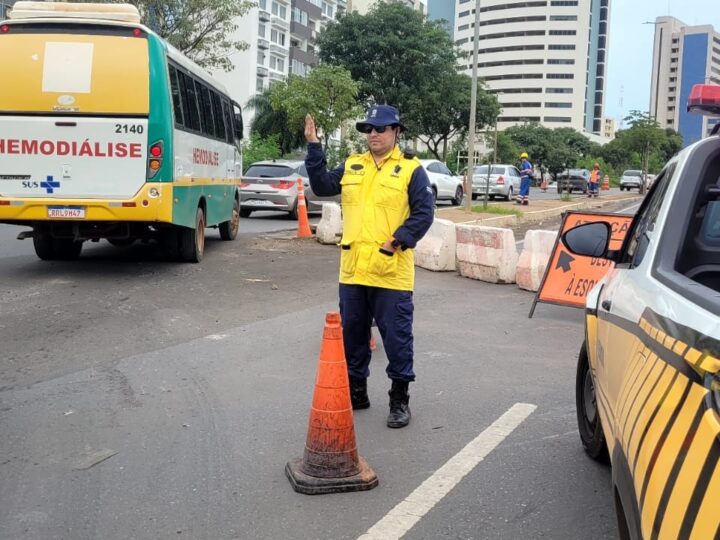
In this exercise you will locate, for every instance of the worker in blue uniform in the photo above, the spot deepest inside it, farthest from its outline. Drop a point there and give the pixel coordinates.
(526, 172)
(387, 205)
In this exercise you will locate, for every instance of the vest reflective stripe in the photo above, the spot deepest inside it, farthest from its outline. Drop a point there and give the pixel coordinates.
(375, 204)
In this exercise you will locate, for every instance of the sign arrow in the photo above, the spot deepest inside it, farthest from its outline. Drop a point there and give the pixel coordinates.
(564, 261)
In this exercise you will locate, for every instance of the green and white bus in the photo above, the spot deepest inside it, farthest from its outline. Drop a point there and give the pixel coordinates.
(108, 132)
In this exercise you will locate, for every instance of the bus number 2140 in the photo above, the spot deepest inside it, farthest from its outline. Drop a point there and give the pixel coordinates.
(124, 128)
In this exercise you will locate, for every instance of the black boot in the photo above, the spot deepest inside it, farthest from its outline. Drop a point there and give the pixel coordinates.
(399, 409)
(358, 393)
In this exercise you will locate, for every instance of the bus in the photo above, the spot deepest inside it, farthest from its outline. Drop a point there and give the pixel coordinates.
(109, 132)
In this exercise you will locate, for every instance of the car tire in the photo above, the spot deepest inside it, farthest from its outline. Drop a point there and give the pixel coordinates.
(509, 196)
(435, 194)
(293, 214)
(457, 200)
(474, 197)
(192, 241)
(589, 424)
(229, 229)
(245, 212)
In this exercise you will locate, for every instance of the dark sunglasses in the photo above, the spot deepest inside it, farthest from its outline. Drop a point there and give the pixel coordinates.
(367, 129)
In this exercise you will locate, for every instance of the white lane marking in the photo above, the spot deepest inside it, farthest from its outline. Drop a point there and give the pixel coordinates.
(407, 513)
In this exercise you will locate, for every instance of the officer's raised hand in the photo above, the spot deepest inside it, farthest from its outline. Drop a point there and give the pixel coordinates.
(310, 129)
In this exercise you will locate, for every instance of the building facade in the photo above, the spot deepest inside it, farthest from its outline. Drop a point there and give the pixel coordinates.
(281, 37)
(545, 59)
(363, 6)
(683, 56)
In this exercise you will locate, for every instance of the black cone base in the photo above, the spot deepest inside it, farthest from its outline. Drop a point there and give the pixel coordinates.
(312, 485)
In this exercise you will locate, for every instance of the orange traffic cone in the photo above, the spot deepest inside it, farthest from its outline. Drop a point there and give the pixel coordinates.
(330, 463)
(303, 224)
(605, 183)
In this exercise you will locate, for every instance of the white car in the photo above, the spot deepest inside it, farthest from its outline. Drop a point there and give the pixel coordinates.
(503, 181)
(446, 185)
(631, 180)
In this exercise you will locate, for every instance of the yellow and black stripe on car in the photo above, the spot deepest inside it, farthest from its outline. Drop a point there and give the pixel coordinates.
(666, 451)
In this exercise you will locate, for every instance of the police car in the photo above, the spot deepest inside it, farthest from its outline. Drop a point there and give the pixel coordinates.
(648, 374)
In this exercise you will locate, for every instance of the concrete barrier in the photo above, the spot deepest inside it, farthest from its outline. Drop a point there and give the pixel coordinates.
(436, 250)
(330, 226)
(486, 253)
(534, 258)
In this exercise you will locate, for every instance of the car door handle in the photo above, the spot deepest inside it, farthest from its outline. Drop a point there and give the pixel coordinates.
(606, 305)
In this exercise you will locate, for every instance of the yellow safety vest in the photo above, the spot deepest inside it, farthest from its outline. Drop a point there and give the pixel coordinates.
(375, 204)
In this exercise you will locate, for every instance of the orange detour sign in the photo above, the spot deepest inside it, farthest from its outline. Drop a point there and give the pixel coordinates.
(330, 463)
(303, 224)
(568, 277)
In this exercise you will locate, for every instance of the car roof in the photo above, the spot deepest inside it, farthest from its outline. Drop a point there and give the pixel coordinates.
(424, 162)
(283, 162)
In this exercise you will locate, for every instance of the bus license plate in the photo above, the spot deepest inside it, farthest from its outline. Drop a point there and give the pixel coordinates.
(66, 212)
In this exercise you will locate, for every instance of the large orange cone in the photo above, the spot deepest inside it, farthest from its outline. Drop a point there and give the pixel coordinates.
(330, 463)
(605, 183)
(303, 224)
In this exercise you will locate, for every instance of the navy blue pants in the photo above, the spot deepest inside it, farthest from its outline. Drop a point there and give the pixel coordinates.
(393, 313)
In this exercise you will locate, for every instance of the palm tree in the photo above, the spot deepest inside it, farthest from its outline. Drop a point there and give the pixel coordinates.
(268, 121)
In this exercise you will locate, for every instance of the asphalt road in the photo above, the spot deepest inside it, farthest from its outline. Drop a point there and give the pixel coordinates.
(142, 399)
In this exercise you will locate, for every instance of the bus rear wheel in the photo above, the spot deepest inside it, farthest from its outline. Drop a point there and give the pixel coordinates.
(48, 248)
(192, 241)
(229, 229)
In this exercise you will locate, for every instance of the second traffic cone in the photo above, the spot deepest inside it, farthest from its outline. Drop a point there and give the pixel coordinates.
(303, 224)
(330, 462)
(605, 183)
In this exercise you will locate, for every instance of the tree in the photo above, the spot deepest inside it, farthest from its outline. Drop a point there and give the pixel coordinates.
(445, 112)
(260, 149)
(328, 93)
(395, 54)
(268, 122)
(201, 29)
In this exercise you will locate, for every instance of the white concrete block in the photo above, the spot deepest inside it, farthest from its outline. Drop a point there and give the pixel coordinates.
(436, 250)
(486, 253)
(534, 258)
(329, 229)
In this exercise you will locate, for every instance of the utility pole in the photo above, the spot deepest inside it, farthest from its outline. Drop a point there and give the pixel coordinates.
(473, 112)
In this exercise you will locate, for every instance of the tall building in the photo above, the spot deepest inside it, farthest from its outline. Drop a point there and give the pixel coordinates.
(363, 6)
(683, 56)
(281, 37)
(442, 10)
(546, 59)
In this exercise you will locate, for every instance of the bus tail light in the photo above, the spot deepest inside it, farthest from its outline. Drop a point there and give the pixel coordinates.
(155, 159)
(5, 29)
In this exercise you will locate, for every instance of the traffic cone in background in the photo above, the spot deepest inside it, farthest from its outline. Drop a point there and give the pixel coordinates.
(606, 183)
(330, 463)
(303, 224)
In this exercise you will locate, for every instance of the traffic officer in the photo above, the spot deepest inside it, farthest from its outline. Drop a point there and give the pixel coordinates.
(387, 205)
(526, 171)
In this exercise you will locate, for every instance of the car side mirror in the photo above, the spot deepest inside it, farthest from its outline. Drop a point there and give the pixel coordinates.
(238, 127)
(589, 239)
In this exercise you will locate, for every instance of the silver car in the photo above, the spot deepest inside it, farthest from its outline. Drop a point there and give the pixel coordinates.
(631, 180)
(504, 181)
(272, 185)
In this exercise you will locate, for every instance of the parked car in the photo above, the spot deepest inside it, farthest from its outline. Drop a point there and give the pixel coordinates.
(631, 180)
(272, 185)
(504, 181)
(573, 180)
(445, 185)
(648, 373)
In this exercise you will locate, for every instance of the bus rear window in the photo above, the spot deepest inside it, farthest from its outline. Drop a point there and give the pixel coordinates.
(64, 72)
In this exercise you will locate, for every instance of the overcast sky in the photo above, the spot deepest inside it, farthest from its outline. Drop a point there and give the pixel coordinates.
(631, 42)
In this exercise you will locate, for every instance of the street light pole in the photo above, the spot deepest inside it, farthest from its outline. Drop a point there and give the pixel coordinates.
(473, 112)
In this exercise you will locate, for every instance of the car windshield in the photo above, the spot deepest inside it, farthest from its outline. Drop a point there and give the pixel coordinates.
(483, 169)
(632, 173)
(269, 171)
